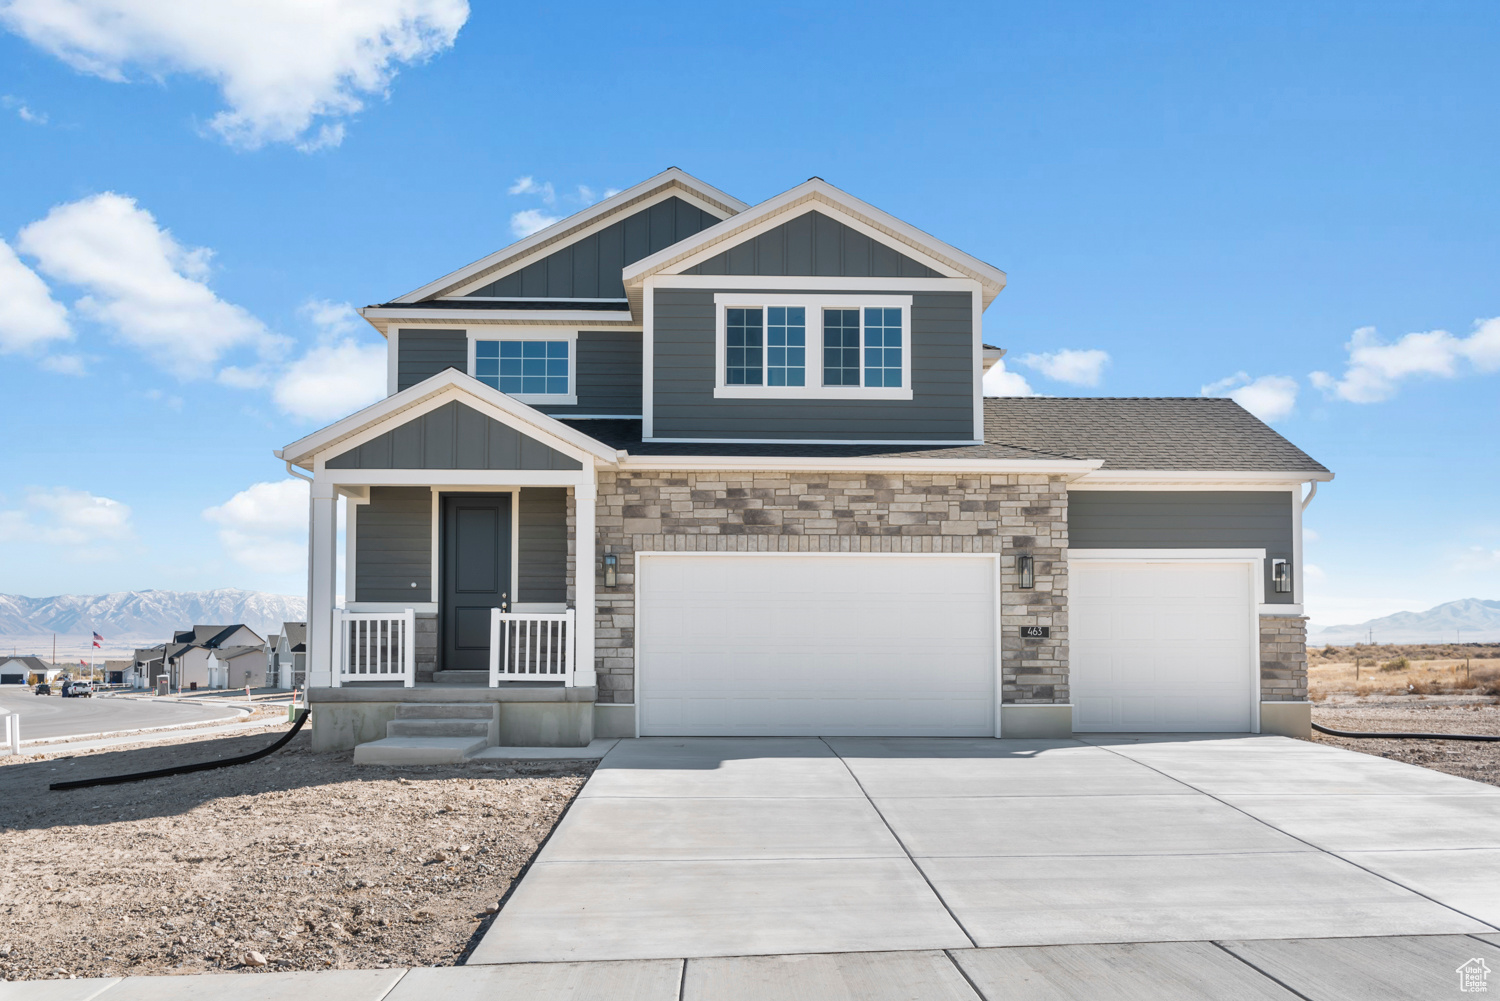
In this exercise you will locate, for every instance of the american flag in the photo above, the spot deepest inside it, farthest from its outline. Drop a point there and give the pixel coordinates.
(98, 639)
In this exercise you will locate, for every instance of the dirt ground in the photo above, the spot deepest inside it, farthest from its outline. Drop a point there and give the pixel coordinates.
(1418, 714)
(299, 858)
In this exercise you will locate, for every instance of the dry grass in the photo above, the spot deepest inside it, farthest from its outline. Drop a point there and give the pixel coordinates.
(1401, 676)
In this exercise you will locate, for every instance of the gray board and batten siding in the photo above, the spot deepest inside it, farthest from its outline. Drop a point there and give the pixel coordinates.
(393, 545)
(814, 244)
(1185, 519)
(421, 354)
(593, 267)
(942, 377)
(453, 436)
(542, 560)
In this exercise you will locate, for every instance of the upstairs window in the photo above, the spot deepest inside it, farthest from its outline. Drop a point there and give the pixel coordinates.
(524, 368)
(857, 346)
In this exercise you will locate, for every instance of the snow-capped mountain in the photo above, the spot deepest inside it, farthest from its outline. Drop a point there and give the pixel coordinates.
(128, 619)
(1474, 620)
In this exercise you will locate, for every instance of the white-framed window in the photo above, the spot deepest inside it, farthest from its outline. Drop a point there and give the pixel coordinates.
(533, 365)
(812, 346)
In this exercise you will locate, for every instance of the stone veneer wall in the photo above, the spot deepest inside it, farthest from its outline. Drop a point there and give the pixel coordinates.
(427, 645)
(1283, 658)
(845, 513)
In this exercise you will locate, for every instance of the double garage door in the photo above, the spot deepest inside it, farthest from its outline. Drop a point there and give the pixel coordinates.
(835, 645)
(782, 645)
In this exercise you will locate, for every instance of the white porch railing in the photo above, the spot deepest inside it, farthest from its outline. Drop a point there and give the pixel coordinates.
(531, 646)
(377, 646)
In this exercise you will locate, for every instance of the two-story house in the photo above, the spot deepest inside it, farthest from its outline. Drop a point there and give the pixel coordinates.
(679, 465)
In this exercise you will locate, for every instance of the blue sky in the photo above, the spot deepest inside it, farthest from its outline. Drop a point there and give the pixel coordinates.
(1179, 193)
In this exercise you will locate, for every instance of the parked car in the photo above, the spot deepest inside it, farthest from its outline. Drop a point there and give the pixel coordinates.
(44, 689)
(83, 689)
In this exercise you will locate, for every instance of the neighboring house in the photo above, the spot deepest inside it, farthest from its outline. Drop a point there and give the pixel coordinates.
(117, 672)
(146, 665)
(237, 666)
(288, 656)
(747, 447)
(24, 670)
(190, 651)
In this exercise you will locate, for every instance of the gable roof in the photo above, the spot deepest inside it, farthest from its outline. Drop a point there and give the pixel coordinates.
(296, 635)
(235, 652)
(209, 636)
(32, 663)
(455, 384)
(574, 226)
(814, 193)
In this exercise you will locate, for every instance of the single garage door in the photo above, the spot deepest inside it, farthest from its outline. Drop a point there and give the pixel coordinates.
(1162, 646)
(816, 644)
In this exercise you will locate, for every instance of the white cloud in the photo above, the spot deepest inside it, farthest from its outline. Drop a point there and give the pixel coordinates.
(67, 517)
(1376, 369)
(29, 317)
(264, 527)
(1079, 368)
(1309, 535)
(1270, 397)
(338, 376)
(999, 382)
(529, 221)
(1313, 572)
(288, 70)
(528, 186)
(22, 110)
(142, 284)
(64, 364)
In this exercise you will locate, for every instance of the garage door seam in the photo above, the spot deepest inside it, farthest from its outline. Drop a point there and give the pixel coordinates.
(909, 857)
(1317, 848)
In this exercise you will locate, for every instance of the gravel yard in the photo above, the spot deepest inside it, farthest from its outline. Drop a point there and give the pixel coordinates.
(1415, 714)
(298, 861)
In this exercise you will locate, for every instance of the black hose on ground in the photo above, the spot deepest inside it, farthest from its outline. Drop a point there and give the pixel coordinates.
(201, 766)
(1410, 736)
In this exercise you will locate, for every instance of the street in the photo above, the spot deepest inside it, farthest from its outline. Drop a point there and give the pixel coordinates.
(54, 716)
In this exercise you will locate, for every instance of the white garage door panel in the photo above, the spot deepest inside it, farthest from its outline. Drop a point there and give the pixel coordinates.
(816, 645)
(1162, 646)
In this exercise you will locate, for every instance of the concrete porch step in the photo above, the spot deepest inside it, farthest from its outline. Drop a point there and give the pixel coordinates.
(438, 728)
(444, 710)
(461, 677)
(418, 750)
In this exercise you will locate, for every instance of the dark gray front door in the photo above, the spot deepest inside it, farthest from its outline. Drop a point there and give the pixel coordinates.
(476, 575)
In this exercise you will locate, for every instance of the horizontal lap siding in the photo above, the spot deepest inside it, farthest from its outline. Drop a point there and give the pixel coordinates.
(543, 553)
(393, 545)
(1185, 519)
(421, 354)
(942, 362)
(608, 375)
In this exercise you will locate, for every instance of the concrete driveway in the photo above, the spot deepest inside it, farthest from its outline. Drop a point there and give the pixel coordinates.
(687, 848)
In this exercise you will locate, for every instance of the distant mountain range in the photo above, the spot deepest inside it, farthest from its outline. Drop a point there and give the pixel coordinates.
(128, 619)
(1474, 620)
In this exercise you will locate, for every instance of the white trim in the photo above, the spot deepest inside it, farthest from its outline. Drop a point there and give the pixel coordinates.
(413, 316)
(1253, 561)
(648, 364)
(597, 417)
(813, 340)
(997, 679)
(420, 607)
(1187, 479)
(817, 193)
(1056, 467)
(527, 298)
(569, 335)
(1282, 611)
(435, 391)
(670, 180)
(474, 478)
(923, 442)
(810, 283)
(392, 361)
(1297, 545)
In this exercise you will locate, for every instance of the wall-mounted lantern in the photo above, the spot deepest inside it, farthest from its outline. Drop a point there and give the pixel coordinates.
(611, 568)
(1026, 570)
(1281, 576)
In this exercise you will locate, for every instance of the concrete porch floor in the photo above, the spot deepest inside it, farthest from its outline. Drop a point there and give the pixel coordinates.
(712, 847)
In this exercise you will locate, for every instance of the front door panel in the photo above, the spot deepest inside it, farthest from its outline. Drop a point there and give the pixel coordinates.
(476, 575)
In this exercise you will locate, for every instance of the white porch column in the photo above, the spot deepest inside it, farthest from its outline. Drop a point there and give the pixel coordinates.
(322, 584)
(585, 497)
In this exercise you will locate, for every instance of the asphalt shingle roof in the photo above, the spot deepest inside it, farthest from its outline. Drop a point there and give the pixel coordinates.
(1172, 433)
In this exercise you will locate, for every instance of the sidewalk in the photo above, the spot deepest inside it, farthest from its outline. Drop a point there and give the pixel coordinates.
(1410, 968)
